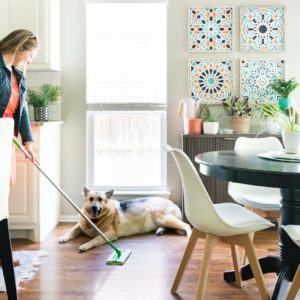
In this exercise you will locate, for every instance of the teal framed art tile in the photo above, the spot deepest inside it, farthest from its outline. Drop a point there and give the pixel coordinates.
(256, 77)
(210, 29)
(210, 81)
(262, 29)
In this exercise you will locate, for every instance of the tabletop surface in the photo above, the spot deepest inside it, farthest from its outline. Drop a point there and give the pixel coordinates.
(247, 167)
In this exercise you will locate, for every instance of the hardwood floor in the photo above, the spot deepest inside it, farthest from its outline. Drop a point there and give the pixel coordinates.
(67, 274)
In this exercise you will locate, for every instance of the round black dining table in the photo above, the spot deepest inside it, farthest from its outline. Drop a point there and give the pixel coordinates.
(248, 168)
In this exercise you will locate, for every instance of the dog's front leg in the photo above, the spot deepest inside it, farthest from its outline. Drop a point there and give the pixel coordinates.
(97, 241)
(71, 234)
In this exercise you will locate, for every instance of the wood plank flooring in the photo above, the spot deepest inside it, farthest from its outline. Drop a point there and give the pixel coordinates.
(67, 274)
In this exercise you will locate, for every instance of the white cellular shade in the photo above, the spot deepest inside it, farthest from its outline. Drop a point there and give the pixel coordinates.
(127, 149)
(126, 52)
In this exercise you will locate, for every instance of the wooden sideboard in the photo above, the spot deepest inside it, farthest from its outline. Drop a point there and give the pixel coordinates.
(195, 144)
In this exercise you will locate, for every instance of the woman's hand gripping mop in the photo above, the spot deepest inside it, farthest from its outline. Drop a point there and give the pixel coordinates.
(118, 257)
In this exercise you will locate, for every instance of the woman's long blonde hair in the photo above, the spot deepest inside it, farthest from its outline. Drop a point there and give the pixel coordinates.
(18, 40)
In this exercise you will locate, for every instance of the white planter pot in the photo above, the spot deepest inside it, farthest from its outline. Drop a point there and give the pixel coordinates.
(210, 127)
(291, 141)
(272, 127)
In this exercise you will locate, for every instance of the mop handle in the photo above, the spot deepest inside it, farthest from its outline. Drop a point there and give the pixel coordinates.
(65, 195)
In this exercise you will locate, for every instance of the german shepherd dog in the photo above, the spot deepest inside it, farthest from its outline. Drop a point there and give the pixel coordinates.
(124, 218)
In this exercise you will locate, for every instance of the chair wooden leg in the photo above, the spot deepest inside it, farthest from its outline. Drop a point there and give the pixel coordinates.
(186, 256)
(255, 267)
(210, 242)
(244, 256)
(294, 288)
(236, 264)
(7, 261)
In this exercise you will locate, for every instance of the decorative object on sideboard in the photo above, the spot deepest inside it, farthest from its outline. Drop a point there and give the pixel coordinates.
(284, 88)
(210, 124)
(41, 99)
(188, 109)
(239, 110)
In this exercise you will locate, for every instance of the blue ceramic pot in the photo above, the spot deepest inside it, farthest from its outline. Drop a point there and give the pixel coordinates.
(283, 103)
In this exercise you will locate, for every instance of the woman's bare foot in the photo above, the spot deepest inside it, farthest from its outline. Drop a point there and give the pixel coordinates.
(16, 262)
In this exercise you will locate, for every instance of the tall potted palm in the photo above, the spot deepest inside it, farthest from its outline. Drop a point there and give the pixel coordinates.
(284, 88)
(41, 98)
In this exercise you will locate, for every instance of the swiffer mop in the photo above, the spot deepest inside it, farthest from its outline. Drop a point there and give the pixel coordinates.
(116, 258)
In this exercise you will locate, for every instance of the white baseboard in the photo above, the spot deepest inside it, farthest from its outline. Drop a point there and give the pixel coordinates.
(69, 218)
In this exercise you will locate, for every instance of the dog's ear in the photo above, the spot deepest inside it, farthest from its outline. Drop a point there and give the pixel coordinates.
(108, 194)
(86, 191)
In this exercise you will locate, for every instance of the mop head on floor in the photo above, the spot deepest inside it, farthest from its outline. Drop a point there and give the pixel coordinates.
(116, 259)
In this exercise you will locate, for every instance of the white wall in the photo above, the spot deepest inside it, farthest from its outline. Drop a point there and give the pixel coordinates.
(178, 57)
(73, 81)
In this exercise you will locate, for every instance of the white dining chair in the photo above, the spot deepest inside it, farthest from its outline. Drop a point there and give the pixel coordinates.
(262, 200)
(294, 233)
(225, 222)
(6, 135)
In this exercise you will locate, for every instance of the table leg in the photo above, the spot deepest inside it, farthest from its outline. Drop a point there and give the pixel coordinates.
(288, 251)
(285, 265)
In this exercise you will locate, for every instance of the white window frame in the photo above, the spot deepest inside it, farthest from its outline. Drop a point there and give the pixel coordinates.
(103, 108)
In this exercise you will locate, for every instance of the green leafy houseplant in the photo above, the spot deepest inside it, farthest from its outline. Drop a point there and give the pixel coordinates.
(205, 114)
(288, 120)
(46, 95)
(284, 87)
(239, 109)
(237, 106)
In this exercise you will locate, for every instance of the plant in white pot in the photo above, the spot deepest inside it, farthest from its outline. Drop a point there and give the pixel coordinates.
(271, 126)
(239, 110)
(284, 88)
(41, 98)
(210, 124)
(289, 122)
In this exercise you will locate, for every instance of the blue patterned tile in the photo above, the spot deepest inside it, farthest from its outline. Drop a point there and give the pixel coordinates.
(262, 29)
(256, 77)
(210, 81)
(210, 29)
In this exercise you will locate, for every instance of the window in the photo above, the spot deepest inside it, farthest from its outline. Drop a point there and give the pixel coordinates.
(126, 95)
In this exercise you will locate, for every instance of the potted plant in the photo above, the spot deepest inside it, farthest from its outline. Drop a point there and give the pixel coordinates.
(239, 110)
(289, 122)
(271, 126)
(210, 125)
(284, 88)
(41, 98)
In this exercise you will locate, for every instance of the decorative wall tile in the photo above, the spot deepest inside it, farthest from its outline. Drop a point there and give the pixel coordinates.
(256, 77)
(210, 81)
(262, 29)
(210, 29)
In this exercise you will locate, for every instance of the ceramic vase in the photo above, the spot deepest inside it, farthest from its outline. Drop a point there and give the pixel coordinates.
(41, 114)
(291, 141)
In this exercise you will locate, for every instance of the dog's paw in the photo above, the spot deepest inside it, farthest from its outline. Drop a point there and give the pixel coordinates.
(160, 231)
(63, 239)
(188, 232)
(83, 248)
